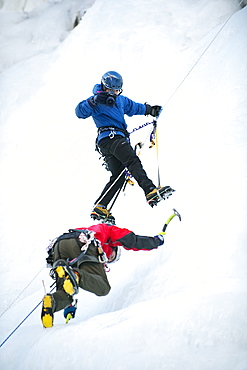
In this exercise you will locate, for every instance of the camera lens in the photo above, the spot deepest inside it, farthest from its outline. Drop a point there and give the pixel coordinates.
(110, 100)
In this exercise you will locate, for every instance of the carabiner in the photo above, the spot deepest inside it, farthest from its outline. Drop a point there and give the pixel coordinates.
(112, 134)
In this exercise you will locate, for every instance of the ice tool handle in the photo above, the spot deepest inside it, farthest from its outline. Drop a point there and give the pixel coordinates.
(175, 213)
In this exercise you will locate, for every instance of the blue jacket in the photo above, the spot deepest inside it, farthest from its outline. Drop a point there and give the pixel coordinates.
(109, 116)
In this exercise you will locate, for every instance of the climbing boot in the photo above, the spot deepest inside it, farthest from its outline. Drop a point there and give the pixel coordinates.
(157, 194)
(100, 213)
(48, 307)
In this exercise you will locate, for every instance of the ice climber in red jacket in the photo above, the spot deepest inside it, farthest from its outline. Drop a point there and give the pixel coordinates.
(79, 258)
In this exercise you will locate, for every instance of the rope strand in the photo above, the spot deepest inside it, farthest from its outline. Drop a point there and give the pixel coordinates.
(200, 57)
(11, 304)
(17, 327)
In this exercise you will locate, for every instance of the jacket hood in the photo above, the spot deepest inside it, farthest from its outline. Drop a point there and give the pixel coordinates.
(97, 88)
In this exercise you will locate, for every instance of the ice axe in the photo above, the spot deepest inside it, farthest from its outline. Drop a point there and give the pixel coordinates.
(175, 213)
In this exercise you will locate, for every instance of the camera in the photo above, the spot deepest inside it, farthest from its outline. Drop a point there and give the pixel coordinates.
(110, 100)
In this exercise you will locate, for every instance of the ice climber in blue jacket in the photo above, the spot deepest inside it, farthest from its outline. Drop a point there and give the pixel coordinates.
(107, 107)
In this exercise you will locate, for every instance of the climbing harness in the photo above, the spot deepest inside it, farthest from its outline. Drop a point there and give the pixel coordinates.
(112, 130)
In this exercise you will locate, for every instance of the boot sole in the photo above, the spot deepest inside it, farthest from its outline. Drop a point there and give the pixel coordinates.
(47, 318)
(165, 194)
(103, 219)
(96, 216)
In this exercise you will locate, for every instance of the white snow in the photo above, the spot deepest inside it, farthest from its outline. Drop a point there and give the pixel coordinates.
(184, 305)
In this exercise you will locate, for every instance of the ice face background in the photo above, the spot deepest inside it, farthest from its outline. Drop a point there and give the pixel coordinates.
(184, 305)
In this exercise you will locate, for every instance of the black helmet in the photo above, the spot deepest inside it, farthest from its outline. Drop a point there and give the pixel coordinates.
(112, 80)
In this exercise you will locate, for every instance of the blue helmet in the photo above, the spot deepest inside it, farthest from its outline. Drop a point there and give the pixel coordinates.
(112, 80)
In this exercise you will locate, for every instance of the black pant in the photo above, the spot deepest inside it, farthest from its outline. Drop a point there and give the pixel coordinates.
(119, 154)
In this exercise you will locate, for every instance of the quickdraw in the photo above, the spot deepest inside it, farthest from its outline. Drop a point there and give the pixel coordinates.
(128, 178)
(153, 135)
(138, 145)
(101, 254)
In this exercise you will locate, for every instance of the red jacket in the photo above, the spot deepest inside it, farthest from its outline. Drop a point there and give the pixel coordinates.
(112, 236)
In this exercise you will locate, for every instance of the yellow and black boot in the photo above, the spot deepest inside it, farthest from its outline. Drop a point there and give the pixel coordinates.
(48, 307)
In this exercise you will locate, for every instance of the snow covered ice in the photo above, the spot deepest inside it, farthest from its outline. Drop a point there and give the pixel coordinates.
(184, 305)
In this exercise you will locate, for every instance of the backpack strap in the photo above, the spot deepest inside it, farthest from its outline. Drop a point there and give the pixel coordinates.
(82, 237)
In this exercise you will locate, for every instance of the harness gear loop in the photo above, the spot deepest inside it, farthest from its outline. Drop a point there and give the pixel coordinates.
(102, 256)
(112, 134)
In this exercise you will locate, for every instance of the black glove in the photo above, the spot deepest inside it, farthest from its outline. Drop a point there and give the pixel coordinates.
(103, 98)
(153, 111)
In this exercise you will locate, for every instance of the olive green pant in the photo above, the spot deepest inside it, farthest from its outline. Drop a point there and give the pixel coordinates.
(92, 274)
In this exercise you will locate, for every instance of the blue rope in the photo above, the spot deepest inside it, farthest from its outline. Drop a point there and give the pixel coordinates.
(19, 324)
(5, 340)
